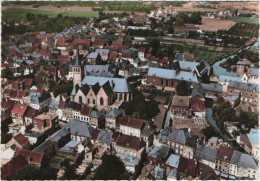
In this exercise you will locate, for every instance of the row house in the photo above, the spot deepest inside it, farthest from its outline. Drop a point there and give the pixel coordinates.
(112, 118)
(180, 108)
(177, 139)
(40, 102)
(20, 141)
(130, 126)
(164, 78)
(206, 155)
(223, 158)
(129, 145)
(198, 102)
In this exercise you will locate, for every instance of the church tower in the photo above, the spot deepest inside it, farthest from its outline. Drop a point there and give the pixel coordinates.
(77, 71)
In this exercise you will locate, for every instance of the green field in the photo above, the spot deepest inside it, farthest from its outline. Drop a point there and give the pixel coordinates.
(20, 13)
(246, 20)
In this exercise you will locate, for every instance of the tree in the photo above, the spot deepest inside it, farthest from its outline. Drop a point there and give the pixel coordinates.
(210, 132)
(64, 87)
(112, 168)
(70, 173)
(179, 21)
(30, 16)
(32, 172)
(155, 44)
(183, 89)
(7, 73)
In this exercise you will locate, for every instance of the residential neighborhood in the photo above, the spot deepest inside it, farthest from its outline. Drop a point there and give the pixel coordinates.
(132, 91)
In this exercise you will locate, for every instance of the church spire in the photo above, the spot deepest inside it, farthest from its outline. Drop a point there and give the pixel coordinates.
(77, 62)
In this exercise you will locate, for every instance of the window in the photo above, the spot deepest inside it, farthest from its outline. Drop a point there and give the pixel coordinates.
(88, 101)
(13, 114)
(161, 81)
(94, 101)
(19, 116)
(172, 83)
(101, 101)
(35, 121)
(166, 82)
(80, 99)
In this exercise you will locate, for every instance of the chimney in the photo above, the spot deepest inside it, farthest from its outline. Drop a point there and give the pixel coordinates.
(224, 87)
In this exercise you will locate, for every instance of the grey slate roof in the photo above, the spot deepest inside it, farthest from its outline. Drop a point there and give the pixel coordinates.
(179, 56)
(206, 153)
(42, 147)
(235, 157)
(79, 128)
(59, 134)
(244, 86)
(255, 72)
(118, 84)
(247, 161)
(203, 67)
(212, 87)
(98, 70)
(114, 113)
(179, 136)
(93, 55)
(172, 74)
(95, 114)
(197, 89)
(38, 99)
(102, 51)
(105, 137)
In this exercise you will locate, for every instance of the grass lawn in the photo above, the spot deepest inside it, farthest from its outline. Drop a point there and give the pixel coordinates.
(20, 13)
(246, 20)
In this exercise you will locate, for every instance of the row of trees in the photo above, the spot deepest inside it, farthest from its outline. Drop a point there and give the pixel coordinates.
(223, 112)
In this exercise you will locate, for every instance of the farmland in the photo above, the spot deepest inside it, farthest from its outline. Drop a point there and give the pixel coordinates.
(246, 20)
(20, 13)
(216, 24)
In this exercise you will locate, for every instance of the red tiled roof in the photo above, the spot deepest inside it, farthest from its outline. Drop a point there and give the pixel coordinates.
(21, 94)
(36, 157)
(63, 58)
(15, 85)
(187, 165)
(131, 122)
(100, 42)
(116, 43)
(111, 48)
(43, 52)
(21, 139)
(154, 59)
(142, 49)
(115, 136)
(8, 92)
(95, 134)
(30, 112)
(195, 133)
(61, 104)
(225, 153)
(52, 70)
(61, 41)
(86, 110)
(7, 104)
(15, 165)
(147, 56)
(126, 55)
(14, 94)
(78, 107)
(165, 60)
(7, 63)
(112, 56)
(19, 109)
(76, 42)
(129, 142)
(28, 81)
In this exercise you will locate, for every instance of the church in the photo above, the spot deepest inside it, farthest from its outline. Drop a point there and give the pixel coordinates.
(96, 91)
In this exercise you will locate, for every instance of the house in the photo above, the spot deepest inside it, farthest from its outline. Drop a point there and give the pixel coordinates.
(176, 140)
(79, 131)
(29, 115)
(190, 146)
(180, 108)
(18, 112)
(93, 58)
(203, 69)
(223, 158)
(198, 102)
(19, 141)
(172, 162)
(130, 126)
(141, 53)
(112, 118)
(40, 102)
(157, 155)
(103, 53)
(35, 138)
(47, 148)
(187, 168)
(165, 78)
(213, 142)
(129, 145)
(206, 173)
(7, 105)
(45, 123)
(60, 138)
(206, 155)
(189, 57)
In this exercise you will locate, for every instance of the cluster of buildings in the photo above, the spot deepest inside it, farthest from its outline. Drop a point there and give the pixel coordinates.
(88, 122)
